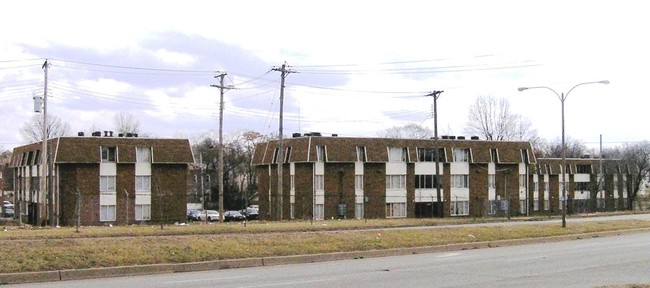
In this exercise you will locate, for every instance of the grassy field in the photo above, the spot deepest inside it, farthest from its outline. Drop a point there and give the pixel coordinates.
(42, 249)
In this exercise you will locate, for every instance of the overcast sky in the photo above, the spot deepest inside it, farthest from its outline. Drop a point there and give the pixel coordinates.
(361, 66)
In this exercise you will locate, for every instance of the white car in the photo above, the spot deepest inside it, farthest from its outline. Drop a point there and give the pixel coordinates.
(210, 215)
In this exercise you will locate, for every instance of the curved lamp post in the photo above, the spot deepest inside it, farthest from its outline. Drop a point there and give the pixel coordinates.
(562, 98)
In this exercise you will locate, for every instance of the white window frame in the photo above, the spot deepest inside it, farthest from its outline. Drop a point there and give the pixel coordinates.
(108, 154)
(142, 212)
(358, 210)
(462, 208)
(397, 154)
(107, 213)
(358, 182)
(319, 211)
(143, 183)
(492, 181)
(461, 155)
(107, 183)
(396, 181)
(319, 182)
(396, 210)
(460, 181)
(143, 154)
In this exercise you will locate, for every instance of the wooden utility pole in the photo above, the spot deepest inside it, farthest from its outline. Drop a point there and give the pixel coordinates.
(220, 175)
(280, 159)
(435, 95)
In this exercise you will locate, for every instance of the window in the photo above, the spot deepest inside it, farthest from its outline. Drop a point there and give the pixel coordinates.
(461, 155)
(459, 208)
(396, 154)
(547, 186)
(396, 210)
(358, 182)
(107, 184)
(321, 154)
(142, 212)
(30, 158)
(37, 157)
(460, 181)
(319, 182)
(143, 183)
(494, 155)
(522, 180)
(582, 186)
(196, 178)
(107, 213)
(547, 204)
(492, 181)
(275, 155)
(143, 154)
(536, 185)
(429, 154)
(358, 210)
(524, 156)
(292, 211)
(319, 212)
(536, 205)
(0, 175)
(426, 181)
(108, 154)
(583, 169)
(361, 154)
(293, 182)
(287, 155)
(395, 181)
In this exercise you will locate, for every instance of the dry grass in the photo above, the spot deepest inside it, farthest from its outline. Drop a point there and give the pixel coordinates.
(63, 248)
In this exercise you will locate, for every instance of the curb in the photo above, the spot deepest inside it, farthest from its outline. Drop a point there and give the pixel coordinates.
(122, 271)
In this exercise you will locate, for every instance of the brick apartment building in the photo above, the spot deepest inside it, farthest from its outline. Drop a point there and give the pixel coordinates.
(341, 177)
(115, 180)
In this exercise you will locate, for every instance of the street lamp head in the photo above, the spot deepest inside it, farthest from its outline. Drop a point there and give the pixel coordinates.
(522, 88)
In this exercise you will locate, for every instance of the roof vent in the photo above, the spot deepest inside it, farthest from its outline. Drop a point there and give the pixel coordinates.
(335, 135)
(80, 134)
(97, 134)
(295, 135)
(461, 138)
(452, 137)
(474, 137)
(129, 134)
(445, 137)
(316, 134)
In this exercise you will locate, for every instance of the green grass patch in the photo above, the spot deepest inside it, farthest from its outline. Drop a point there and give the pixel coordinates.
(45, 249)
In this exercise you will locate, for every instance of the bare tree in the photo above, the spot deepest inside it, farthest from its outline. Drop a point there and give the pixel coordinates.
(638, 155)
(492, 119)
(32, 131)
(126, 123)
(574, 149)
(410, 131)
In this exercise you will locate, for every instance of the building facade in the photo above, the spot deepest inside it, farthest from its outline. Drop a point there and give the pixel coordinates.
(341, 177)
(102, 180)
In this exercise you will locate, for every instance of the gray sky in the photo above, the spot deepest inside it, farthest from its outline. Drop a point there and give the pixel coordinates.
(362, 66)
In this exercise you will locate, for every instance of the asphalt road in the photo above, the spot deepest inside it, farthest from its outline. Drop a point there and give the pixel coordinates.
(592, 262)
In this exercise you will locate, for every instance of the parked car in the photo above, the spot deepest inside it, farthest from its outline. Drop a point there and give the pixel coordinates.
(193, 214)
(252, 212)
(8, 212)
(233, 215)
(210, 215)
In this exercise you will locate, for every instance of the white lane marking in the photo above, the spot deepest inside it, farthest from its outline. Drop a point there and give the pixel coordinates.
(207, 279)
(525, 259)
(448, 255)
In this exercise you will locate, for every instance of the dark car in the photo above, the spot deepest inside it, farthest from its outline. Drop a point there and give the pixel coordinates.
(233, 216)
(193, 214)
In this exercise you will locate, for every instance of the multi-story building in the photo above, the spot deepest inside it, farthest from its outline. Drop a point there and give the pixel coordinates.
(102, 180)
(341, 177)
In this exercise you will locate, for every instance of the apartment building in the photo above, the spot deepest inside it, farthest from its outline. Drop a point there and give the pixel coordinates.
(327, 177)
(102, 180)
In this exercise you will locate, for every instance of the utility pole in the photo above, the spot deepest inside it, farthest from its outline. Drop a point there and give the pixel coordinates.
(220, 175)
(46, 183)
(435, 95)
(284, 72)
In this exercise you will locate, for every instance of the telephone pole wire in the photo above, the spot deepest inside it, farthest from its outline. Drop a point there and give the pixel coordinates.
(435, 95)
(221, 87)
(284, 71)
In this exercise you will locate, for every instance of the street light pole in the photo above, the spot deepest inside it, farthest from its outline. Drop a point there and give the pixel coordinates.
(562, 98)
